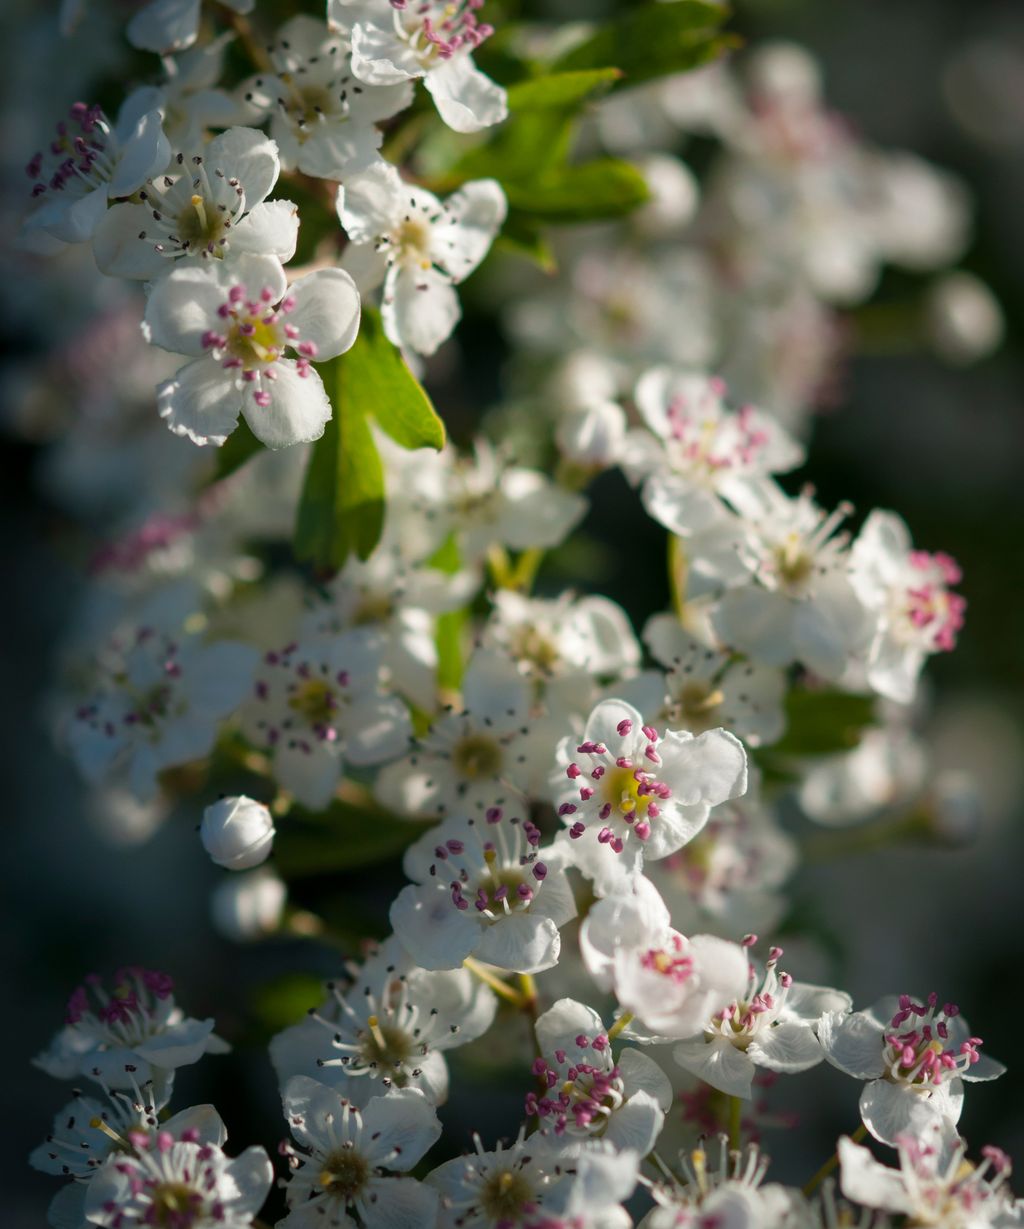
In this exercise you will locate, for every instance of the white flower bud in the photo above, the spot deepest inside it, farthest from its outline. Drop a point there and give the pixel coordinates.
(237, 833)
(674, 196)
(249, 906)
(784, 74)
(964, 319)
(592, 436)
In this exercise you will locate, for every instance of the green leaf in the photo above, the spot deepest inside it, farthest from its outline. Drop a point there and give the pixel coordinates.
(451, 625)
(560, 89)
(238, 448)
(341, 508)
(523, 147)
(286, 1000)
(651, 40)
(342, 838)
(382, 384)
(522, 236)
(823, 722)
(603, 188)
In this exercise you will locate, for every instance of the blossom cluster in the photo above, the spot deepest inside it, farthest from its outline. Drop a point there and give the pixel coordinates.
(590, 808)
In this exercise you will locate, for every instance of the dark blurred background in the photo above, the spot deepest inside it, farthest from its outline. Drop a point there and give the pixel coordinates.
(944, 447)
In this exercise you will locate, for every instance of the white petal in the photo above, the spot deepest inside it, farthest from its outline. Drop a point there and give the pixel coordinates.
(118, 249)
(428, 925)
(165, 25)
(253, 1174)
(636, 1124)
(521, 943)
(402, 1203)
(201, 402)
(853, 1043)
(370, 204)
(326, 311)
(679, 505)
(758, 622)
(378, 729)
(378, 57)
(405, 1121)
(310, 775)
(563, 1022)
(709, 769)
(866, 1181)
(466, 99)
(419, 309)
(299, 408)
(145, 153)
(248, 155)
(889, 1110)
(786, 1046)
(271, 227)
(473, 216)
(717, 1063)
(536, 511)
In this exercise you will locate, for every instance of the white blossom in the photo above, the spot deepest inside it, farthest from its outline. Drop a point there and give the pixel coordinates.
(210, 205)
(235, 322)
(914, 1058)
(394, 43)
(172, 25)
(418, 247)
(480, 888)
(345, 1158)
(627, 793)
(388, 1025)
(322, 118)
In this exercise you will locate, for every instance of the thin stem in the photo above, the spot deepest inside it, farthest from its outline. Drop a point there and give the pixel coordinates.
(496, 984)
(832, 1162)
(735, 1123)
(623, 1022)
(499, 566)
(525, 571)
(247, 37)
(677, 569)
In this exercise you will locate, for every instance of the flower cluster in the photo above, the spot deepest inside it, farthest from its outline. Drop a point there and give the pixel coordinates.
(564, 818)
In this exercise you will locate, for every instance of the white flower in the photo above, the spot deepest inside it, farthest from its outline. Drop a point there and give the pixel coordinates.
(395, 42)
(591, 1095)
(237, 833)
(671, 984)
(910, 593)
(532, 1184)
(388, 1027)
(700, 451)
(209, 206)
(471, 760)
(642, 795)
(168, 1181)
(338, 1167)
(318, 704)
(128, 1035)
(935, 1183)
(323, 120)
(248, 906)
(91, 162)
(795, 602)
(236, 321)
(705, 688)
(887, 770)
(172, 25)
(88, 1131)
(722, 1187)
(914, 1057)
(481, 889)
(159, 702)
(418, 246)
(772, 1025)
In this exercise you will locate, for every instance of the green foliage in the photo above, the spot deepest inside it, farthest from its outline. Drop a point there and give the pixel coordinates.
(450, 626)
(341, 508)
(560, 89)
(344, 837)
(823, 722)
(240, 445)
(285, 1000)
(603, 188)
(651, 40)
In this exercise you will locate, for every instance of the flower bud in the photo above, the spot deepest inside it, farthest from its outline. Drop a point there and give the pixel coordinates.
(964, 319)
(249, 906)
(237, 832)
